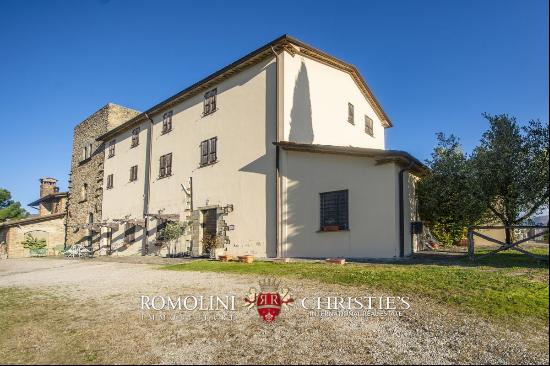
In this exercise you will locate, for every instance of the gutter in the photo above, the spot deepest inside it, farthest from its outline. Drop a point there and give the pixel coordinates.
(147, 185)
(277, 157)
(402, 209)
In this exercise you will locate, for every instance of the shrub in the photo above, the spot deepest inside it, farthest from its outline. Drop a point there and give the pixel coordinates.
(33, 243)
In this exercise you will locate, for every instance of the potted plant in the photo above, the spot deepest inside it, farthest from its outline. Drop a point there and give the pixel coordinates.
(225, 258)
(36, 247)
(248, 258)
(209, 245)
(331, 228)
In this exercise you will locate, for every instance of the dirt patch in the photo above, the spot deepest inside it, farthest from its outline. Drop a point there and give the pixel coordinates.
(88, 312)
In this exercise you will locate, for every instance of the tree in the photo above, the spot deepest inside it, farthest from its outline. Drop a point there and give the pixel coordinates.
(511, 166)
(172, 231)
(10, 210)
(447, 194)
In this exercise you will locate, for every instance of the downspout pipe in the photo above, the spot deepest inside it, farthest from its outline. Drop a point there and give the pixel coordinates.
(147, 186)
(402, 209)
(277, 157)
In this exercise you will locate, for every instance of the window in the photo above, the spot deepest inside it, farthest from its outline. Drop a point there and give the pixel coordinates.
(334, 211)
(130, 233)
(84, 192)
(133, 173)
(209, 150)
(87, 151)
(351, 114)
(135, 137)
(110, 182)
(112, 148)
(368, 126)
(167, 122)
(165, 167)
(210, 101)
(90, 231)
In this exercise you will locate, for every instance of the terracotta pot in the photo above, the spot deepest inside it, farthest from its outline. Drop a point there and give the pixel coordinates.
(225, 258)
(282, 260)
(246, 258)
(331, 228)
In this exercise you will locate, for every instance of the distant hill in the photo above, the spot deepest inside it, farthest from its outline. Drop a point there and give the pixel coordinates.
(540, 220)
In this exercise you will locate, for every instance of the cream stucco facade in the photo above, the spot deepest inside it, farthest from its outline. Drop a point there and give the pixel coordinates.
(316, 98)
(262, 196)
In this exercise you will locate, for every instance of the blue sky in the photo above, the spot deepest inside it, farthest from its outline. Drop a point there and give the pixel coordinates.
(434, 65)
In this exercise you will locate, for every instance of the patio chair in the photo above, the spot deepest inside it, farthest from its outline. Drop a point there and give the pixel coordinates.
(72, 252)
(84, 252)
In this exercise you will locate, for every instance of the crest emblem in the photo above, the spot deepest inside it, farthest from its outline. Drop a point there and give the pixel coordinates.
(270, 300)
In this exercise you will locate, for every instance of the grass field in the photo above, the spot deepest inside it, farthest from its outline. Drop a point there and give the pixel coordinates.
(507, 287)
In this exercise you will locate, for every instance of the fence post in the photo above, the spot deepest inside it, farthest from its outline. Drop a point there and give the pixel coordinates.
(470, 244)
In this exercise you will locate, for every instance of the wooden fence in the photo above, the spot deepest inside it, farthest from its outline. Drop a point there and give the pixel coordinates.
(503, 245)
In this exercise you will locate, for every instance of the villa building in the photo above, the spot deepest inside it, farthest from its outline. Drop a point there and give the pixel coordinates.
(47, 225)
(279, 154)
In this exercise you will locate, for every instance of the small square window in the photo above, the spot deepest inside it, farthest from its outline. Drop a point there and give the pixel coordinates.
(210, 102)
(87, 151)
(110, 181)
(369, 129)
(167, 122)
(135, 137)
(133, 173)
(334, 211)
(165, 166)
(351, 117)
(112, 148)
(209, 151)
(84, 192)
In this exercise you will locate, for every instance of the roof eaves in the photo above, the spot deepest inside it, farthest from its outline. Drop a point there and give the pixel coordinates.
(381, 156)
(194, 87)
(277, 43)
(30, 220)
(51, 195)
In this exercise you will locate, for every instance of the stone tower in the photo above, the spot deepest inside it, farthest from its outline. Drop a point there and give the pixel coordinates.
(86, 178)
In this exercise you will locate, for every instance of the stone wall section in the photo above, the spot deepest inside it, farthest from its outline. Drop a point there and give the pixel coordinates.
(53, 231)
(86, 178)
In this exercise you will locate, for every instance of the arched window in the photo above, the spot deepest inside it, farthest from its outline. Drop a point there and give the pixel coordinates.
(84, 192)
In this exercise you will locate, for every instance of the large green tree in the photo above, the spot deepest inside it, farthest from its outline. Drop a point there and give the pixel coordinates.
(9, 209)
(448, 199)
(504, 180)
(511, 167)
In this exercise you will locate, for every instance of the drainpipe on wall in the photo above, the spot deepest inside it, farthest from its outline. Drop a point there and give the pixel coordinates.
(402, 210)
(278, 245)
(147, 186)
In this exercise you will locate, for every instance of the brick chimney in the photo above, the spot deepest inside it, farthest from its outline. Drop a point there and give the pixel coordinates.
(47, 186)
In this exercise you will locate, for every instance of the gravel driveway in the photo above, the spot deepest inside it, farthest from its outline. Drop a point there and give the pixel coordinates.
(427, 333)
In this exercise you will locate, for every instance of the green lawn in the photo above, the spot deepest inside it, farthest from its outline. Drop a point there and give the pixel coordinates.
(507, 287)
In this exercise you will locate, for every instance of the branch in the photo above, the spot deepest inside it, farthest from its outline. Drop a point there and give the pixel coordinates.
(533, 209)
(498, 214)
